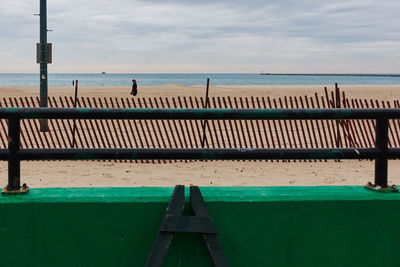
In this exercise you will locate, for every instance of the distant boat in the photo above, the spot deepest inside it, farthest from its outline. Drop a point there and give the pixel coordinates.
(103, 72)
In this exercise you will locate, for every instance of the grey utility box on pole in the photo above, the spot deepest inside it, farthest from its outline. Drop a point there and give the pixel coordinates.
(40, 48)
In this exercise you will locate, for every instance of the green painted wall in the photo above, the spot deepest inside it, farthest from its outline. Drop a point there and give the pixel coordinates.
(263, 226)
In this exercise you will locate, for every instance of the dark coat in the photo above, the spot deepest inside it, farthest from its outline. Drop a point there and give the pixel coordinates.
(134, 89)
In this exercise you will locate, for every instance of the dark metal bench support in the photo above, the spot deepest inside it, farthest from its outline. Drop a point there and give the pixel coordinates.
(381, 153)
(14, 163)
(381, 162)
(173, 222)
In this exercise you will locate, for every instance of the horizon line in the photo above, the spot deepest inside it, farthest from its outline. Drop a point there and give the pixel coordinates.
(200, 73)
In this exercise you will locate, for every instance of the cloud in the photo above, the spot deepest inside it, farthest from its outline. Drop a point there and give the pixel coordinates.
(193, 36)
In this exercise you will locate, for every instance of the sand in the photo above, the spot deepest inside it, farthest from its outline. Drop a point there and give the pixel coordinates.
(221, 173)
(379, 92)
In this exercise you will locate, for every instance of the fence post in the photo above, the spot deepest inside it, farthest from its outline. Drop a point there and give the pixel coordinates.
(338, 122)
(74, 128)
(205, 123)
(14, 164)
(381, 143)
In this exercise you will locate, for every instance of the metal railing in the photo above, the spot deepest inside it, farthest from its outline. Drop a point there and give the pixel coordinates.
(381, 153)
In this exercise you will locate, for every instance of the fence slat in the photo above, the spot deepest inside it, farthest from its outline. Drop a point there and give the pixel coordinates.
(359, 131)
(23, 142)
(223, 103)
(185, 124)
(169, 128)
(53, 126)
(176, 127)
(4, 136)
(195, 144)
(257, 122)
(390, 134)
(206, 143)
(240, 123)
(349, 127)
(221, 128)
(246, 123)
(83, 129)
(35, 123)
(216, 130)
(180, 133)
(368, 133)
(147, 126)
(164, 129)
(301, 125)
(77, 122)
(117, 129)
(307, 105)
(252, 124)
(396, 130)
(61, 130)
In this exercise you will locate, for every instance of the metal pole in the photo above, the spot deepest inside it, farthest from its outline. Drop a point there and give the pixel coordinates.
(205, 106)
(199, 114)
(207, 90)
(75, 100)
(14, 164)
(43, 61)
(381, 163)
(195, 153)
(337, 105)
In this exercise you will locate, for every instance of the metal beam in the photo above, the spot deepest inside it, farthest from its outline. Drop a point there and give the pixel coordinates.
(195, 153)
(381, 163)
(199, 114)
(14, 163)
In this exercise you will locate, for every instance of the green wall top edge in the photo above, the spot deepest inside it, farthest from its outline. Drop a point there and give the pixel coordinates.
(210, 194)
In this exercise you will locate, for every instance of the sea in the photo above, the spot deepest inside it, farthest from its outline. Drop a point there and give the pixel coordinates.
(115, 79)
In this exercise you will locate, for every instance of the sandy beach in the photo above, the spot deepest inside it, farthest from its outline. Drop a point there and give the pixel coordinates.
(226, 173)
(379, 92)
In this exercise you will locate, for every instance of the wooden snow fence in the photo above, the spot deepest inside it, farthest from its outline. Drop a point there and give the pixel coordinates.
(189, 133)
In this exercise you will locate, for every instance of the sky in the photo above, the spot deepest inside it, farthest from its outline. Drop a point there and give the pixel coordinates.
(229, 36)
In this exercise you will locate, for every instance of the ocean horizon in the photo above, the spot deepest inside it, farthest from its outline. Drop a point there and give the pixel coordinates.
(124, 79)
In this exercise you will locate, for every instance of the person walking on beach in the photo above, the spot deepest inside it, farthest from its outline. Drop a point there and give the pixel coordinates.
(134, 88)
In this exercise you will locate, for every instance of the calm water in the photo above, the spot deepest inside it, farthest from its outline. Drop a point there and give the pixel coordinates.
(189, 79)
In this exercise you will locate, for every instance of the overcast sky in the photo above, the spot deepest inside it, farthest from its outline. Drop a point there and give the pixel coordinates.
(152, 36)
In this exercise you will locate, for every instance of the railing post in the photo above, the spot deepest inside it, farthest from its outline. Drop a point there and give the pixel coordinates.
(14, 163)
(381, 163)
(381, 143)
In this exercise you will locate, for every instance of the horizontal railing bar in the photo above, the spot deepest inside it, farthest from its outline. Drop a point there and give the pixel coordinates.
(4, 154)
(392, 153)
(197, 154)
(197, 114)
